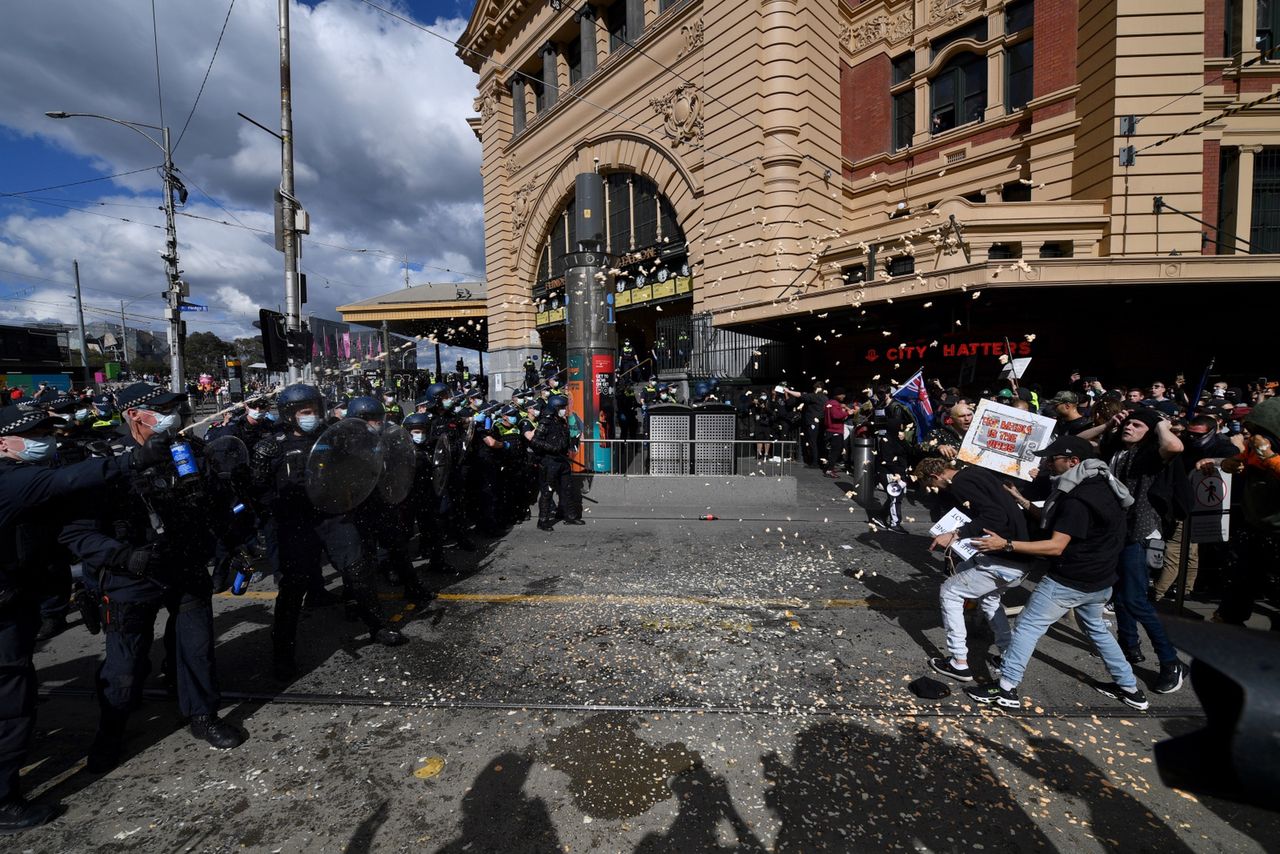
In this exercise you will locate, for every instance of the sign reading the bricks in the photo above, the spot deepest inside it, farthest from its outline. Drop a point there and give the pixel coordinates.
(1211, 512)
(1003, 439)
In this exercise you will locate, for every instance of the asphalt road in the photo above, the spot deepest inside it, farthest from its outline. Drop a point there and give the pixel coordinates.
(647, 683)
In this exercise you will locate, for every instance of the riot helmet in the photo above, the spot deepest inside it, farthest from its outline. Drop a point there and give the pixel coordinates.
(296, 397)
(366, 409)
(557, 402)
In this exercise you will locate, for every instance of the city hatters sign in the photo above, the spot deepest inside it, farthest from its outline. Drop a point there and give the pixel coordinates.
(949, 350)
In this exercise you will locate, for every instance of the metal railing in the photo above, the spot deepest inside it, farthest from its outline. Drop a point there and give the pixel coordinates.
(687, 457)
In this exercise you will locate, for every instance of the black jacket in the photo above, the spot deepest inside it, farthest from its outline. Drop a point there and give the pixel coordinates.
(551, 438)
(978, 494)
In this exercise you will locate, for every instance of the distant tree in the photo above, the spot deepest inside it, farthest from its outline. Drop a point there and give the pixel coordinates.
(249, 350)
(205, 352)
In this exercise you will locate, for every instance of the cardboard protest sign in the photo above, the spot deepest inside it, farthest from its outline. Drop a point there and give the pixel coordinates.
(1004, 439)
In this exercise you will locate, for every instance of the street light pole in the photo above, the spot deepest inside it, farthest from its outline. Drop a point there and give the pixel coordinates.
(84, 344)
(289, 207)
(177, 288)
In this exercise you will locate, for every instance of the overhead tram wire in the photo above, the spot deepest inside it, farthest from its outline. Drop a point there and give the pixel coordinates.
(1263, 56)
(217, 45)
(1221, 114)
(78, 183)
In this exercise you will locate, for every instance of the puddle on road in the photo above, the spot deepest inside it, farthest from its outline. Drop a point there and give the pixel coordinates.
(613, 772)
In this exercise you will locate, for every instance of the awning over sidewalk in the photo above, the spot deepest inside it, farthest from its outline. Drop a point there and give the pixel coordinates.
(453, 314)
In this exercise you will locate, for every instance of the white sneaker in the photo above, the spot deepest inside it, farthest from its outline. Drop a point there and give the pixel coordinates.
(775, 459)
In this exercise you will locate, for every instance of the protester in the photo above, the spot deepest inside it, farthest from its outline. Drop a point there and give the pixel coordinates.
(1257, 540)
(1084, 520)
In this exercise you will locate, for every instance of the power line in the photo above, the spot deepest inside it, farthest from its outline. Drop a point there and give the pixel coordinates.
(217, 45)
(1264, 56)
(78, 183)
(92, 213)
(1230, 111)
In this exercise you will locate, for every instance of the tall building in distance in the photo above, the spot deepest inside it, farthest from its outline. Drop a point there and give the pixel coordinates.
(887, 183)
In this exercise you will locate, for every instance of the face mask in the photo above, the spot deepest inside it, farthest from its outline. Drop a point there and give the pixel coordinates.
(663, 396)
(307, 423)
(37, 450)
(166, 424)
(418, 437)
(375, 426)
(255, 414)
(510, 419)
(340, 413)
(82, 415)
(270, 416)
(478, 418)
(564, 413)
(448, 404)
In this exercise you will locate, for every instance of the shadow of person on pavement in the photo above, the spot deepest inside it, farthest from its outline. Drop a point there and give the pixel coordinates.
(862, 787)
(1117, 818)
(705, 806)
(362, 838)
(498, 816)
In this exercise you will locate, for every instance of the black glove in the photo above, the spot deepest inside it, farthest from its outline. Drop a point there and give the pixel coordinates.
(142, 562)
(154, 450)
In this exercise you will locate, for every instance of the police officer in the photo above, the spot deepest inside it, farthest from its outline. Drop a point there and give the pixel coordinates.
(530, 372)
(149, 546)
(35, 496)
(450, 425)
(250, 427)
(391, 408)
(381, 523)
(550, 441)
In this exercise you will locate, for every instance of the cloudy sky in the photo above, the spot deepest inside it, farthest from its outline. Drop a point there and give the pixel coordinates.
(384, 159)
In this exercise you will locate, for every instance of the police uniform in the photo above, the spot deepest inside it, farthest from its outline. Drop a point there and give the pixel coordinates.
(149, 547)
(30, 494)
(551, 443)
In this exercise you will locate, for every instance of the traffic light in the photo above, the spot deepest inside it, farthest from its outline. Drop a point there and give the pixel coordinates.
(275, 347)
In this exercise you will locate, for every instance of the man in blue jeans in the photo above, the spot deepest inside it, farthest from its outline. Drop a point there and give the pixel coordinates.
(1085, 518)
(1141, 449)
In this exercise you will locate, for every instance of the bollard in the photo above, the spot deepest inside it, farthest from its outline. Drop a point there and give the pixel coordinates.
(862, 466)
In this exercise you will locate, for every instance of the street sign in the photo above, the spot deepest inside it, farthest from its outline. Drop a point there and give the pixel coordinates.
(1210, 520)
(191, 306)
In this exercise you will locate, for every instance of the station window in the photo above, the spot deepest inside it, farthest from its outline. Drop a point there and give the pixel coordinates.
(903, 67)
(1264, 230)
(573, 57)
(616, 20)
(1004, 251)
(958, 92)
(1057, 249)
(1015, 191)
(1018, 16)
(976, 30)
(904, 118)
(1268, 26)
(1020, 86)
(903, 265)
(854, 274)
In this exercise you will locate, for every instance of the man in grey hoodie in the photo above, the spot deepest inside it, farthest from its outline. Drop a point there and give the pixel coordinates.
(1085, 518)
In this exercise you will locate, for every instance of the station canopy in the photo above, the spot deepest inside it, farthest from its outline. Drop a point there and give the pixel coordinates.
(451, 313)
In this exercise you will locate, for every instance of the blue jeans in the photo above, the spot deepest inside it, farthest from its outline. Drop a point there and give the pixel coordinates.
(1133, 606)
(1048, 603)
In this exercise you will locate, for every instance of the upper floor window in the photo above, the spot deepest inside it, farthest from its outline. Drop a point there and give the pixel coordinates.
(958, 92)
(1021, 70)
(1019, 16)
(616, 21)
(903, 97)
(975, 30)
(1264, 229)
(573, 57)
(1268, 25)
(539, 95)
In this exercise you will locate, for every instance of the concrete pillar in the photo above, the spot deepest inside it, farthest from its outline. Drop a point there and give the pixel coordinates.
(519, 107)
(1244, 194)
(780, 109)
(550, 75)
(587, 33)
(996, 64)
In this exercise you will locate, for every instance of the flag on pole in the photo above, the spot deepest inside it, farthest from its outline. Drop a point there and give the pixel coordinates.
(915, 396)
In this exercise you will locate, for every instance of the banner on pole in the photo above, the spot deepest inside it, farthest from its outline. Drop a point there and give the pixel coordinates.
(1005, 439)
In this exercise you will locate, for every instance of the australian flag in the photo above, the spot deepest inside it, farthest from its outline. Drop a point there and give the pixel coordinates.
(915, 397)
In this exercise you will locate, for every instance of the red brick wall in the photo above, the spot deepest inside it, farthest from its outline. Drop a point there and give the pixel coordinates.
(866, 116)
(1215, 16)
(1209, 195)
(1055, 33)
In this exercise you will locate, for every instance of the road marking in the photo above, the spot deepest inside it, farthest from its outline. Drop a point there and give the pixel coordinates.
(626, 600)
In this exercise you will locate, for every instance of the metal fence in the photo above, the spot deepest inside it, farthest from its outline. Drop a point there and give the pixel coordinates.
(689, 457)
(693, 345)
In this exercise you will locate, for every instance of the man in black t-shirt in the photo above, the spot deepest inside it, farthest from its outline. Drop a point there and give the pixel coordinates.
(1085, 519)
(1065, 406)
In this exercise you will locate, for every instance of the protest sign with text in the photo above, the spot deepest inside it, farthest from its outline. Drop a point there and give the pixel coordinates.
(1004, 439)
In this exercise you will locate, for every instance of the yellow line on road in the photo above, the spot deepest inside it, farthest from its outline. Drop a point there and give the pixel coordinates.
(617, 599)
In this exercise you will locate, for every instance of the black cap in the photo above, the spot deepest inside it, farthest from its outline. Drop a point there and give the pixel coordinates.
(21, 419)
(1148, 417)
(929, 689)
(1068, 446)
(146, 394)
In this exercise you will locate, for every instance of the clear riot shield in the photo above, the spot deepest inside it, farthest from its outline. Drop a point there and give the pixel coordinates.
(398, 464)
(344, 466)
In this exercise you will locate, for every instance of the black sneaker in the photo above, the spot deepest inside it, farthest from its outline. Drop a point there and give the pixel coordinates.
(387, 636)
(19, 814)
(217, 733)
(995, 661)
(1171, 675)
(991, 694)
(575, 521)
(1134, 656)
(1134, 699)
(946, 668)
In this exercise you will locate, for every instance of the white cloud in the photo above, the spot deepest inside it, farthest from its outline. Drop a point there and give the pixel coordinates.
(384, 158)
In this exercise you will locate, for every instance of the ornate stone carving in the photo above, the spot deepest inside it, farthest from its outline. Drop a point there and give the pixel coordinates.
(693, 35)
(522, 206)
(950, 11)
(488, 101)
(890, 28)
(681, 112)
(510, 167)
